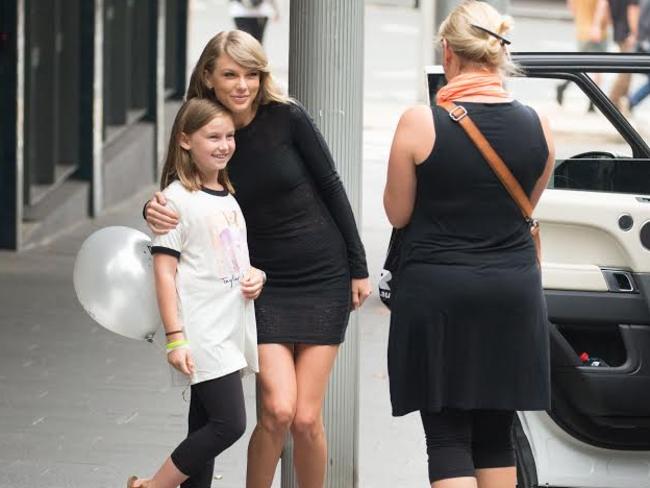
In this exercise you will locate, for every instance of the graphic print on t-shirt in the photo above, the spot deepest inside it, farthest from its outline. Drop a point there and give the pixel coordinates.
(229, 241)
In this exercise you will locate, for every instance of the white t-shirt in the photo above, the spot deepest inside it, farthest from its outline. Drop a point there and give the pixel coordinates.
(210, 244)
(241, 9)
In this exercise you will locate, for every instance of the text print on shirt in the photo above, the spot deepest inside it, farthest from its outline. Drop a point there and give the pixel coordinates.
(229, 241)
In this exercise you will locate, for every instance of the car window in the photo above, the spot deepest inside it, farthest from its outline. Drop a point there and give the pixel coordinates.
(578, 127)
(591, 155)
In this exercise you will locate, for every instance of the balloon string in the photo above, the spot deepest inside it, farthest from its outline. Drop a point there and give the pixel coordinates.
(186, 388)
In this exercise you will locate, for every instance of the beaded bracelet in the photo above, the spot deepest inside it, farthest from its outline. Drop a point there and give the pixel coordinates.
(172, 332)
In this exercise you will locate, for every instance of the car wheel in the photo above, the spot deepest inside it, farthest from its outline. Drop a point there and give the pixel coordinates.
(526, 472)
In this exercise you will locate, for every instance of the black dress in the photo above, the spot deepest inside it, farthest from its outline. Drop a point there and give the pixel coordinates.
(301, 229)
(468, 327)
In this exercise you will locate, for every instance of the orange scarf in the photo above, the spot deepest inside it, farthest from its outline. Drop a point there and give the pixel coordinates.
(473, 84)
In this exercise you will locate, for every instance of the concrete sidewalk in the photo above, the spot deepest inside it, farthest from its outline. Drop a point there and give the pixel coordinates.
(80, 406)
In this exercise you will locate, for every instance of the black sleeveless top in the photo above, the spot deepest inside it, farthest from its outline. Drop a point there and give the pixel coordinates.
(462, 213)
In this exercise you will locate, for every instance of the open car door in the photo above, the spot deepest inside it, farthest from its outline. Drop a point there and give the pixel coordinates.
(595, 221)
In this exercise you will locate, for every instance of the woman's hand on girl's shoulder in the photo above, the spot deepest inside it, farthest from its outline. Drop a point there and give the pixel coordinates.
(160, 219)
(181, 359)
(252, 283)
(361, 289)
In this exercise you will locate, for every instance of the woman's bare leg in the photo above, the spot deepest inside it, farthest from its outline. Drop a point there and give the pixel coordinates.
(462, 482)
(277, 388)
(313, 366)
(497, 477)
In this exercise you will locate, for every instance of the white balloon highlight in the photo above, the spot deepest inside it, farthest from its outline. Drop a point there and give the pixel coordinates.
(114, 281)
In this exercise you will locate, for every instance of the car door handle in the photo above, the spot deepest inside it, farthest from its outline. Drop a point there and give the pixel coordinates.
(619, 281)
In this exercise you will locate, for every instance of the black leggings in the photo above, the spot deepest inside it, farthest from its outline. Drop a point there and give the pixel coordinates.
(217, 418)
(461, 441)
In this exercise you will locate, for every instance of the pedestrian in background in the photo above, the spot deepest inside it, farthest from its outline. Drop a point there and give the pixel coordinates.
(624, 15)
(252, 15)
(469, 340)
(591, 37)
(643, 46)
(302, 233)
(204, 285)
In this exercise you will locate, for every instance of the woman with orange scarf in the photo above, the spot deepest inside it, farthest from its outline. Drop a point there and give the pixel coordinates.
(468, 343)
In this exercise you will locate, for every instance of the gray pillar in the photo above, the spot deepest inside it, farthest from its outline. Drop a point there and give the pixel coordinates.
(157, 102)
(12, 98)
(92, 101)
(98, 111)
(326, 75)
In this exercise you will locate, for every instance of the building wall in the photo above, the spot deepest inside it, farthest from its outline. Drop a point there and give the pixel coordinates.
(97, 78)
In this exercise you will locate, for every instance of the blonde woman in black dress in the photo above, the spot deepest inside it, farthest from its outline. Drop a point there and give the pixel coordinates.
(468, 343)
(302, 233)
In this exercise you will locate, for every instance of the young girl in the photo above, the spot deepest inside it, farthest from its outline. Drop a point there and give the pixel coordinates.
(302, 232)
(205, 286)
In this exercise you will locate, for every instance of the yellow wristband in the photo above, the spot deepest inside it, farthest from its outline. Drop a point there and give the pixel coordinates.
(176, 344)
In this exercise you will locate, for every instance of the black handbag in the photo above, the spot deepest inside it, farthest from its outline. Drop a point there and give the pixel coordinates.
(391, 266)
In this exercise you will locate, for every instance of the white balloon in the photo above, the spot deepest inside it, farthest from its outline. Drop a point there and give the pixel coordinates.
(114, 281)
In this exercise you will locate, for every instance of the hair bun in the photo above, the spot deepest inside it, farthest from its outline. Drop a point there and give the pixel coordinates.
(505, 26)
(477, 33)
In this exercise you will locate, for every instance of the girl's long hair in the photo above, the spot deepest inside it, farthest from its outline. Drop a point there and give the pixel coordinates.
(246, 51)
(192, 115)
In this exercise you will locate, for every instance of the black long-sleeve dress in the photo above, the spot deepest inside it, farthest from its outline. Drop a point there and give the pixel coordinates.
(301, 229)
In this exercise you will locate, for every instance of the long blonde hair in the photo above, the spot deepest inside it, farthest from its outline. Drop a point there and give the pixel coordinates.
(246, 51)
(192, 116)
(463, 33)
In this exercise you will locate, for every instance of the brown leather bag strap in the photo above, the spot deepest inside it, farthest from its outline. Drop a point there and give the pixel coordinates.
(459, 114)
